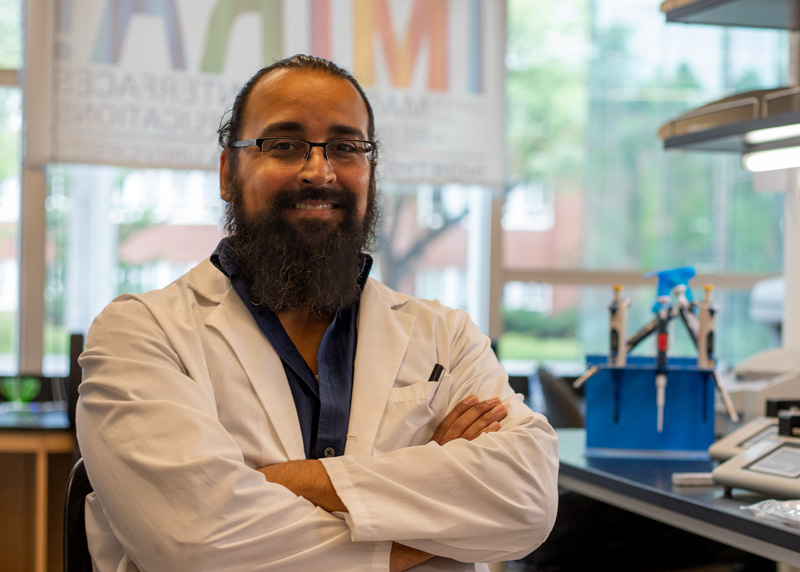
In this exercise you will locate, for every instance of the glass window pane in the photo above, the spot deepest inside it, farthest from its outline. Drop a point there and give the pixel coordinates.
(432, 244)
(589, 85)
(112, 231)
(10, 121)
(591, 187)
(10, 34)
(649, 208)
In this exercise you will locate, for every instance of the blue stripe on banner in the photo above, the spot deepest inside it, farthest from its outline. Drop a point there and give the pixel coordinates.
(475, 47)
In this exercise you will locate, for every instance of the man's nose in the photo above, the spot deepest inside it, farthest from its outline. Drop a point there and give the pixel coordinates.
(317, 170)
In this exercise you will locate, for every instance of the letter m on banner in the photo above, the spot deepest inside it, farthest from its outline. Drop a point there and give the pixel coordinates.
(428, 22)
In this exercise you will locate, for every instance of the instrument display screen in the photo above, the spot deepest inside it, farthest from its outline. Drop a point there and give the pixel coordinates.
(764, 434)
(783, 461)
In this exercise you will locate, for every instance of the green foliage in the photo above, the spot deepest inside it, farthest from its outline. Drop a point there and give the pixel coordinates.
(145, 219)
(685, 78)
(10, 118)
(10, 34)
(515, 345)
(546, 91)
(56, 340)
(584, 109)
(8, 332)
(57, 222)
(648, 208)
(748, 81)
(10, 100)
(563, 325)
(757, 243)
(129, 274)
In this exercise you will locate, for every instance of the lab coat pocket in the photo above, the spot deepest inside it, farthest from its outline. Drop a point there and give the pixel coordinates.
(440, 398)
(412, 414)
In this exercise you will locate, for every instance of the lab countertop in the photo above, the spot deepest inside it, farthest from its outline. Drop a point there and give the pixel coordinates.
(644, 486)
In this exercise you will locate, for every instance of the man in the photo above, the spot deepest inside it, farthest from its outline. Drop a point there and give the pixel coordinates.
(275, 409)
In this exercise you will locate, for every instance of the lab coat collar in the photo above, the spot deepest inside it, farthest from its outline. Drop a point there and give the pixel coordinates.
(383, 338)
(236, 325)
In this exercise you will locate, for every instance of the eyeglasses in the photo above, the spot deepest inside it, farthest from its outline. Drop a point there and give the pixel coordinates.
(342, 153)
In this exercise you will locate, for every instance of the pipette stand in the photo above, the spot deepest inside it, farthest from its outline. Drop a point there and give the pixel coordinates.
(621, 410)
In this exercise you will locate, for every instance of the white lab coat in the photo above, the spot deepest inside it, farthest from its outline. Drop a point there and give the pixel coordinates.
(183, 399)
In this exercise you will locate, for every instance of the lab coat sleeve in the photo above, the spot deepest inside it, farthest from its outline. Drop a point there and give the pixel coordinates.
(490, 499)
(172, 483)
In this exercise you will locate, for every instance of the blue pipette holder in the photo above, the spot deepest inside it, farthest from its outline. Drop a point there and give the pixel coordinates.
(621, 410)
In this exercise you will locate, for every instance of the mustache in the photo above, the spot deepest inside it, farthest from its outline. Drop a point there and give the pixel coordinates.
(340, 199)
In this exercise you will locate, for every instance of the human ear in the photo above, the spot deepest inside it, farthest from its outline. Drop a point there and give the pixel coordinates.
(224, 176)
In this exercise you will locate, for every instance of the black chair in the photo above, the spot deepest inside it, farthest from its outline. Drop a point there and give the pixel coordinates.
(564, 408)
(74, 378)
(519, 383)
(76, 548)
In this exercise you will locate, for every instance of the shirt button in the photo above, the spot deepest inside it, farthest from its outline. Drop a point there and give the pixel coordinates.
(329, 452)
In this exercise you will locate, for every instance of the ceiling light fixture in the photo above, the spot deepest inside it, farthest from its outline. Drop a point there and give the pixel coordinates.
(772, 159)
(772, 134)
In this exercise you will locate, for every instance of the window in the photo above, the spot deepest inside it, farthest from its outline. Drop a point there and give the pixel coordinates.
(589, 84)
(432, 244)
(591, 198)
(529, 207)
(10, 124)
(112, 231)
(10, 34)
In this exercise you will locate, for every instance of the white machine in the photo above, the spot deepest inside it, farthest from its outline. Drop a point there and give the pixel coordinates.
(750, 397)
(759, 430)
(770, 466)
(756, 431)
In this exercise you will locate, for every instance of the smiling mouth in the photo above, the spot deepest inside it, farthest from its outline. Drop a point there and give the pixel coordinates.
(314, 206)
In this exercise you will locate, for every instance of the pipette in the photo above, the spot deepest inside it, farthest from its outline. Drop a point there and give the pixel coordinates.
(617, 321)
(662, 345)
(633, 341)
(702, 334)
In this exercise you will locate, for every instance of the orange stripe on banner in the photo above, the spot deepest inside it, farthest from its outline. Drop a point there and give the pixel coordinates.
(437, 34)
(364, 61)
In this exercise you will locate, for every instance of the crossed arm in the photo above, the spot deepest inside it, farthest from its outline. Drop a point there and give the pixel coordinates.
(309, 479)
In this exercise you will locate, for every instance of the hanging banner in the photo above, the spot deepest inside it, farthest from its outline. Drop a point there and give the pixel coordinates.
(144, 83)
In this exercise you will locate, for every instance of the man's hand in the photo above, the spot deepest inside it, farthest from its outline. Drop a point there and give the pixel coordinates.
(310, 480)
(307, 479)
(469, 419)
(404, 557)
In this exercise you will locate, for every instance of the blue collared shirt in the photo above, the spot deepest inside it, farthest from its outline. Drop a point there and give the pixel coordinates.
(323, 407)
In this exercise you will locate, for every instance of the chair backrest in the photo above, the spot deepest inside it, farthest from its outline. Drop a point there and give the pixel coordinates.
(563, 404)
(76, 548)
(74, 378)
(519, 383)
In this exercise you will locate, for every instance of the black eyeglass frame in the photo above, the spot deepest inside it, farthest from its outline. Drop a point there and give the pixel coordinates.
(371, 155)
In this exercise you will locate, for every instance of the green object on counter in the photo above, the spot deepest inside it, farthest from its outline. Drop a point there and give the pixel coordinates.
(21, 389)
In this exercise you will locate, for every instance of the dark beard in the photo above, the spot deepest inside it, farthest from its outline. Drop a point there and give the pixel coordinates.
(308, 265)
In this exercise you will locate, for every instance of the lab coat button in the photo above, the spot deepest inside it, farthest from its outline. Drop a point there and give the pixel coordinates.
(329, 452)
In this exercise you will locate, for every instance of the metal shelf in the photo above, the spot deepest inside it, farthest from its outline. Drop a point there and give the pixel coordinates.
(775, 14)
(731, 137)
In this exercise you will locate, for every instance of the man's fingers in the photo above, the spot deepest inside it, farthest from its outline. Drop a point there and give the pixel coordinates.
(491, 428)
(486, 423)
(469, 421)
(451, 417)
